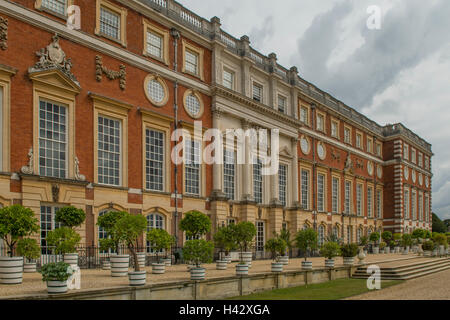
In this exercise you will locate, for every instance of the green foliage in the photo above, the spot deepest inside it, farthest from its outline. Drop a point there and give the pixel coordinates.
(286, 236)
(406, 240)
(224, 238)
(397, 237)
(160, 240)
(198, 251)
(438, 225)
(16, 222)
(428, 234)
(28, 248)
(64, 239)
(56, 272)
(440, 239)
(107, 221)
(128, 229)
(428, 245)
(195, 224)
(245, 232)
(374, 237)
(392, 244)
(382, 245)
(70, 216)
(418, 234)
(363, 241)
(306, 241)
(330, 250)
(276, 246)
(349, 250)
(386, 236)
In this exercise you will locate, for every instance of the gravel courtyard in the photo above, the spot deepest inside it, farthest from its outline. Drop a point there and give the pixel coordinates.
(433, 287)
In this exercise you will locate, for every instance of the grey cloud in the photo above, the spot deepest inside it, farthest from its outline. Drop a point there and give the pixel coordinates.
(262, 33)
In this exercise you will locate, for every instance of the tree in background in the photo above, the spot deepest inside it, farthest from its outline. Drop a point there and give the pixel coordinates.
(438, 225)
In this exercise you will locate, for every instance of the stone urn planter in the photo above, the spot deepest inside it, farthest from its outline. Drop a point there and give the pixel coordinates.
(119, 265)
(307, 265)
(198, 273)
(242, 269)
(284, 260)
(158, 268)
(361, 256)
(11, 270)
(221, 265)
(137, 278)
(329, 263)
(29, 267)
(277, 267)
(376, 250)
(57, 287)
(71, 259)
(167, 261)
(106, 265)
(247, 258)
(349, 261)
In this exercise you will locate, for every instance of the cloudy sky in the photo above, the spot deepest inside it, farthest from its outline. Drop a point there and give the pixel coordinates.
(399, 73)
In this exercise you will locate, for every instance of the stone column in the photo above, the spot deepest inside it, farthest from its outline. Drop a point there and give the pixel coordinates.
(245, 67)
(247, 167)
(217, 168)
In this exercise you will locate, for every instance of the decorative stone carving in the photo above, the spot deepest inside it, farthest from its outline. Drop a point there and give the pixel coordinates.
(3, 33)
(349, 164)
(55, 192)
(53, 57)
(359, 164)
(335, 154)
(29, 169)
(78, 175)
(110, 74)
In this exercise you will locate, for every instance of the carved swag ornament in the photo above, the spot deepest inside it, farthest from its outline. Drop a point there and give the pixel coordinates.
(110, 74)
(53, 57)
(3, 33)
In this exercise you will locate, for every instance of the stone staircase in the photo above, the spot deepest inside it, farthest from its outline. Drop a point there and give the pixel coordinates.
(407, 270)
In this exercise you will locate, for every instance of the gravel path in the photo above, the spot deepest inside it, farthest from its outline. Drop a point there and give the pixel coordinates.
(432, 287)
(97, 279)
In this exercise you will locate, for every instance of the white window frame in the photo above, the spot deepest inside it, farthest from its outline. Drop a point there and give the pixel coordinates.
(406, 203)
(370, 202)
(255, 87)
(148, 148)
(228, 83)
(305, 188)
(321, 189)
(258, 182)
(192, 165)
(120, 178)
(229, 173)
(348, 197)
(283, 183)
(260, 236)
(359, 200)
(335, 187)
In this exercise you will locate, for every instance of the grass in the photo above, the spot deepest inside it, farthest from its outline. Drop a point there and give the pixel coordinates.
(331, 290)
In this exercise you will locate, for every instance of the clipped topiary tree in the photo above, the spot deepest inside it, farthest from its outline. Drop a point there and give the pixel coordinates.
(16, 222)
(64, 240)
(224, 239)
(70, 216)
(107, 222)
(387, 236)
(198, 251)
(195, 224)
(307, 241)
(374, 238)
(28, 248)
(245, 233)
(160, 240)
(276, 246)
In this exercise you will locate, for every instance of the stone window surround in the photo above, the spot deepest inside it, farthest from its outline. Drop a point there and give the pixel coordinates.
(165, 36)
(200, 54)
(198, 96)
(5, 83)
(121, 11)
(309, 169)
(361, 136)
(350, 130)
(335, 176)
(233, 71)
(324, 116)
(308, 113)
(325, 189)
(151, 77)
(337, 122)
(38, 6)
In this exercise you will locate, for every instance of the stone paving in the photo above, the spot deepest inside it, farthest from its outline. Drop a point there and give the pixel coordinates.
(97, 279)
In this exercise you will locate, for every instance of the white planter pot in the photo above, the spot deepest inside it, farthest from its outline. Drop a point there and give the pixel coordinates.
(106, 265)
(167, 262)
(405, 251)
(198, 274)
(247, 258)
(427, 253)
(442, 250)
(158, 268)
(221, 265)
(434, 253)
(11, 270)
(141, 259)
(56, 287)
(307, 265)
(376, 250)
(119, 265)
(349, 261)
(71, 259)
(29, 267)
(228, 259)
(329, 263)
(284, 260)
(277, 267)
(242, 269)
(397, 250)
(137, 278)
(387, 250)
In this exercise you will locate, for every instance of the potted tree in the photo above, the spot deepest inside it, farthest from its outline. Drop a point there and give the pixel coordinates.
(119, 262)
(56, 276)
(129, 229)
(277, 247)
(406, 243)
(349, 252)
(198, 252)
(160, 240)
(225, 242)
(286, 236)
(64, 240)
(29, 249)
(375, 238)
(382, 246)
(15, 222)
(245, 232)
(306, 242)
(397, 238)
(70, 217)
(363, 241)
(387, 237)
(428, 247)
(441, 242)
(330, 250)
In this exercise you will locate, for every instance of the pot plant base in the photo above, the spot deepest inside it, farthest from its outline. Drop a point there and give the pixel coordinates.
(198, 274)
(137, 278)
(242, 269)
(11, 270)
(306, 265)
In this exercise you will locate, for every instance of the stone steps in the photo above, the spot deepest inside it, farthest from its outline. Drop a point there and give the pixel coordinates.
(407, 271)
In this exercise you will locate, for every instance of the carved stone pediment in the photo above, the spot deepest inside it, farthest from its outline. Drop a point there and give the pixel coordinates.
(3, 33)
(285, 152)
(54, 58)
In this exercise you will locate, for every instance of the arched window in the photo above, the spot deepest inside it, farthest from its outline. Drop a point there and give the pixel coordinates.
(154, 221)
(321, 235)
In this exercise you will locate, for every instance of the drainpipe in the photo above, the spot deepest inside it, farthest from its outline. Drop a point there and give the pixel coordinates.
(313, 180)
(176, 35)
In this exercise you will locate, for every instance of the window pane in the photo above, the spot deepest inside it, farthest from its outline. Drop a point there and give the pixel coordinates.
(193, 105)
(282, 183)
(109, 149)
(191, 62)
(154, 151)
(228, 79)
(154, 44)
(109, 23)
(257, 92)
(192, 167)
(257, 181)
(321, 193)
(58, 6)
(229, 173)
(156, 91)
(305, 189)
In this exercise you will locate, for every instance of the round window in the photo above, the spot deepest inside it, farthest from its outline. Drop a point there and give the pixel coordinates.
(370, 168)
(304, 144)
(321, 151)
(156, 90)
(193, 105)
(379, 172)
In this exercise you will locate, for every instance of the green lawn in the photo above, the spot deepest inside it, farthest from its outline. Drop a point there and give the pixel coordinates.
(331, 290)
